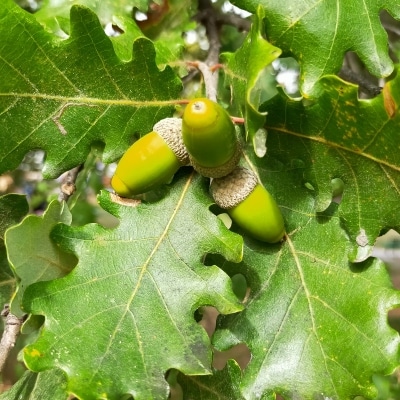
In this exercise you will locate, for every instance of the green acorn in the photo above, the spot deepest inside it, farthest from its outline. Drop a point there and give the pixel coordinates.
(210, 138)
(249, 205)
(152, 160)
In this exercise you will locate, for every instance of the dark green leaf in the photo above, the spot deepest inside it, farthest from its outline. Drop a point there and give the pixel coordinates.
(13, 207)
(32, 254)
(318, 33)
(52, 10)
(38, 386)
(243, 71)
(314, 323)
(136, 289)
(335, 135)
(87, 95)
(222, 385)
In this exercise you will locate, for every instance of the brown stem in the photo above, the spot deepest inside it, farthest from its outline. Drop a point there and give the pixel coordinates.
(365, 84)
(207, 16)
(68, 184)
(238, 120)
(12, 326)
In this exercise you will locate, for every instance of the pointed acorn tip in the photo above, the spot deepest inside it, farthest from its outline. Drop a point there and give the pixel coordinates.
(119, 187)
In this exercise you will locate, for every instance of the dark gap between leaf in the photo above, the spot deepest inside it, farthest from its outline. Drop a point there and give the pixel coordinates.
(361, 266)
(326, 215)
(208, 319)
(337, 190)
(127, 397)
(175, 389)
(353, 71)
(240, 353)
(394, 319)
(287, 74)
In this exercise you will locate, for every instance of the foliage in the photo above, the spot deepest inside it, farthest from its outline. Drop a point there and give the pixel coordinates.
(114, 308)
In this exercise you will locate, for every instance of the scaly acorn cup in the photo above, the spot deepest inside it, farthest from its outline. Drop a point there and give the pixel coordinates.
(210, 138)
(249, 205)
(152, 160)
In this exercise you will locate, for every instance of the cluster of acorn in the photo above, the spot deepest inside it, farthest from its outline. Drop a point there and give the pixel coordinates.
(204, 138)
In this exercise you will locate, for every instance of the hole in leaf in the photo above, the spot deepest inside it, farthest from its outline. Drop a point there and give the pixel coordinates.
(208, 319)
(213, 259)
(259, 142)
(287, 72)
(387, 249)
(362, 266)
(215, 209)
(394, 319)
(392, 27)
(354, 71)
(197, 315)
(127, 397)
(175, 389)
(337, 190)
(326, 215)
(239, 286)
(113, 30)
(140, 16)
(240, 353)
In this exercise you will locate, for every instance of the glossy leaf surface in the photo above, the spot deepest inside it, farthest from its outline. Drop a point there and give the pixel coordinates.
(137, 287)
(13, 208)
(319, 33)
(87, 96)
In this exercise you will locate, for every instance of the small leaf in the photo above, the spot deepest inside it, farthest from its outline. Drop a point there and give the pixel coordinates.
(243, 70)
(136, 287)
(38, 386)
(13, 207)
(52, 10)
(32, 254)
(222, 385)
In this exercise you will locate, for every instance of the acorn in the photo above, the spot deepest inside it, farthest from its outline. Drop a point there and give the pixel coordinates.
(249, 205)
(152, 160)
(210, 138)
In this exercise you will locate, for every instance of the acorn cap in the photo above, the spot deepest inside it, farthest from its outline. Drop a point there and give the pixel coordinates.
(250, 205)
(232, 189)
(170, 129)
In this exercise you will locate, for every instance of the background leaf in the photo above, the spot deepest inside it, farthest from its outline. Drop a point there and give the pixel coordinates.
(318, 34)
(314, 323)
(37, 258)
(136, 287)
(124, 320)
(13, 207)
(38, 386)
(52, 10)
(87, 96)
(243, 69)
(335, 135)
(222, 385)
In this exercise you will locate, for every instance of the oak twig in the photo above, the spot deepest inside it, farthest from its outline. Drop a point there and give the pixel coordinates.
(12, 326)
(68, 184)
(207, 17)
(365, 84)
